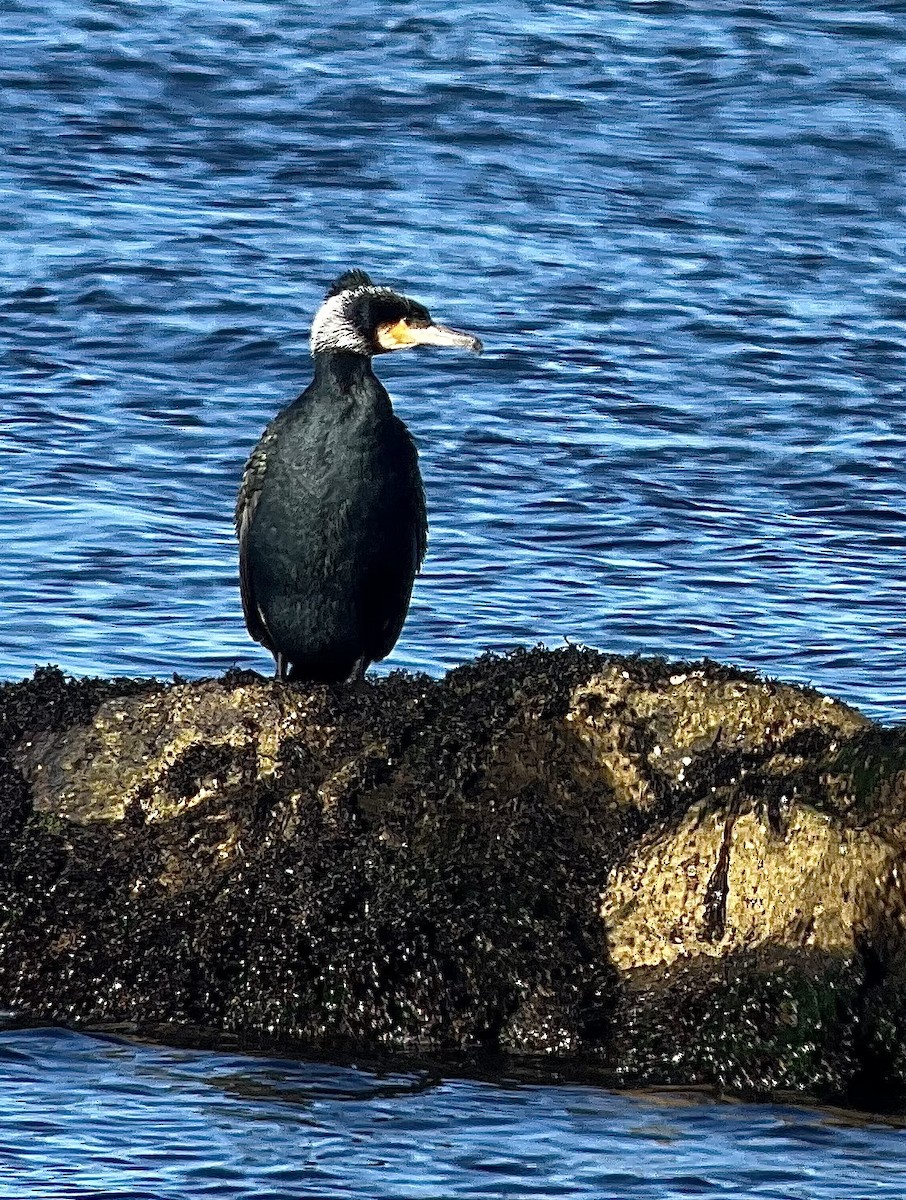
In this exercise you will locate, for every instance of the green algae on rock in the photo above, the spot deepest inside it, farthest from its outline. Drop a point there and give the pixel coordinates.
(672, 873)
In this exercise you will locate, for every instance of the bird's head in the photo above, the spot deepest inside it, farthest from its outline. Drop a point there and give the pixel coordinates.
(359, 318)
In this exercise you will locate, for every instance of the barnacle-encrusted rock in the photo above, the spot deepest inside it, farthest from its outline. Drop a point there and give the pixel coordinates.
(661, 872)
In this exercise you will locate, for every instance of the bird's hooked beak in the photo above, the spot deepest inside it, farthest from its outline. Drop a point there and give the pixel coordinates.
(400, 335)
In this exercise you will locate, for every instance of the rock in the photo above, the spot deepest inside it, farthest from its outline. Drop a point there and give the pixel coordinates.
(648, 871)
(724, 881)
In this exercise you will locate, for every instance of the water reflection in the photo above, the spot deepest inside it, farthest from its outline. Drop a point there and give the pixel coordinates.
(90, 1117)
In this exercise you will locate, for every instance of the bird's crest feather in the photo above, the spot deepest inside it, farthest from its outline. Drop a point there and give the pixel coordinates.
(347, 281)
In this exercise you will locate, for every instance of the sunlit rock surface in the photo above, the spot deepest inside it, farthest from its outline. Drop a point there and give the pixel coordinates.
(653, 872)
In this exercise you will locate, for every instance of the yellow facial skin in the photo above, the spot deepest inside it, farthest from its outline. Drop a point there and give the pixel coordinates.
(400, 335)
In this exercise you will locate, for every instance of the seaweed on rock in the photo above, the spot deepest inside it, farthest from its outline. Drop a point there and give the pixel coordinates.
(677, 872)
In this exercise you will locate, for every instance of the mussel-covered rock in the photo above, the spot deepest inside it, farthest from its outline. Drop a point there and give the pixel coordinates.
(650, 871)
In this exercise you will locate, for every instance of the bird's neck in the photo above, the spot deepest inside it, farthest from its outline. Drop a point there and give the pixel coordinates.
(343, 372)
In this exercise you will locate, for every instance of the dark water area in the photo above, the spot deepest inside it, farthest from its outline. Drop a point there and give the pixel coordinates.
(87, 1117)
(677, 227)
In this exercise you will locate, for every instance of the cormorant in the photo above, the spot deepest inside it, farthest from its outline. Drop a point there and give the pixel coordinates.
(331, 511)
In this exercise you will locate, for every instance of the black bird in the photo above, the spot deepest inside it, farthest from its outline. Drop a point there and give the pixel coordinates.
(331, 510)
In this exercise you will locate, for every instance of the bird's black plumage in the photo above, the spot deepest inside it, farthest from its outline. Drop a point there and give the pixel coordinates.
(331, 511)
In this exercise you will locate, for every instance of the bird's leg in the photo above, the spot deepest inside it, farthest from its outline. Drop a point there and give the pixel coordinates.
(358, 670)
(282, 671)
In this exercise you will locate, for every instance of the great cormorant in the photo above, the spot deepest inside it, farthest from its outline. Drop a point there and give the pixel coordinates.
(331, 510)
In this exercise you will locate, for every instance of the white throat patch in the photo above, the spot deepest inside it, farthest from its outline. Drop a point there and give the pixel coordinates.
(332, 328)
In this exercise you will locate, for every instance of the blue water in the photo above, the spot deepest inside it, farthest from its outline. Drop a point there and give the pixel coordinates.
(81, 1117)
(678, 229)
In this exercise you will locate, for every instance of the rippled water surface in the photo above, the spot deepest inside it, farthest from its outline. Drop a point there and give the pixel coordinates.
(81, 1117)
(677, 227)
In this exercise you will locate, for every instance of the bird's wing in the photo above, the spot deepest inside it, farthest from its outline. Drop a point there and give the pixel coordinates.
(415, 508)
(405, 545)
(246, 506)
